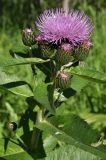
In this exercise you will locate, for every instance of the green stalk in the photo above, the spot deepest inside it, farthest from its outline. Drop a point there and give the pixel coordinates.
(36, 133)
(33, 67)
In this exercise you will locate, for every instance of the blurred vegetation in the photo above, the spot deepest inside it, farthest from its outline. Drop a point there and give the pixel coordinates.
(17, 14)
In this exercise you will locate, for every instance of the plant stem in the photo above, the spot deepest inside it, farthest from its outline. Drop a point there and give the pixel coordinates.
(36, 132)
(33, 67)
(21, 141)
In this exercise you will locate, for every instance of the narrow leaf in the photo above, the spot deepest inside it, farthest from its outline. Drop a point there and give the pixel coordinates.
(88, 74)
(6, 62)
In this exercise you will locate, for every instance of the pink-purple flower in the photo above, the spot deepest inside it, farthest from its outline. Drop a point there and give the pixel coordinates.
(59, 26)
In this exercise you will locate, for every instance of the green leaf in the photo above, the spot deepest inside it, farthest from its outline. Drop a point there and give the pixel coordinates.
(14, 85)
(49, 142)
(19, 51)
(73, 125)
(6, 78)
(22, 90)
(70, 152)
(72, 130)
(78, 83)
(13, 152)
(93, 117)
(88, 74)
(41, 96)
(6, 62)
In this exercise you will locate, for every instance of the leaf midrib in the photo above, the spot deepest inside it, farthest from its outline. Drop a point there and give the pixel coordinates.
(77, 143)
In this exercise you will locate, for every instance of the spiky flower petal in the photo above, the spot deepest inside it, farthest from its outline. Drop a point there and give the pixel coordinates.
(57, 26)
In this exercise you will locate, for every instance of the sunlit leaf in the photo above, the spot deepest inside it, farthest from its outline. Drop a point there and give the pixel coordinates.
(89, 74)
(13, 152)
(41, 96)
(78, 83)
(72, 130)
(70, 152)
(6, 62)
(14, 84)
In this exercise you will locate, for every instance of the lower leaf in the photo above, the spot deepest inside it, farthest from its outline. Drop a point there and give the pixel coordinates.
(71, 153)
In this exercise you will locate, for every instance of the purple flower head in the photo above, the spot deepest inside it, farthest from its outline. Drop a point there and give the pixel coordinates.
(57, 26)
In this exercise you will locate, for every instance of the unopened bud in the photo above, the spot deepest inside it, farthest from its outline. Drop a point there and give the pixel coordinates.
(47, 51)
(28, 37)
(12, 126)
(39, 39)
(82, 51)
(62, 80)
(64, 54)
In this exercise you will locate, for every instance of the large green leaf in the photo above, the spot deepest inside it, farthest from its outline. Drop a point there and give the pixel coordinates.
(13, 152)
(88, 74)
(41, 92)
(72, 131)
(49, 142)
(5, 62)
(93, 117)
(70, 152)
(78, 83)
(14, 84)
(6, 78)
(41, 96)
(19, 51)
(22, 90)
(73, 125)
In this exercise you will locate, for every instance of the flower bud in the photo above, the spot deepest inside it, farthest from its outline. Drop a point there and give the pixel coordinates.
(28, 37)
(12, 126)
(62, 80)
(64, 54)
(39, 39)
(47, 51)
(82, 51)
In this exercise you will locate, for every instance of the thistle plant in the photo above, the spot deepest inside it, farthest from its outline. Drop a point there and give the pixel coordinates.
(54, 52)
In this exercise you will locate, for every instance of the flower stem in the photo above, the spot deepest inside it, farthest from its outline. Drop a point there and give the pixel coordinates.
(33, 67)
(36, 132)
